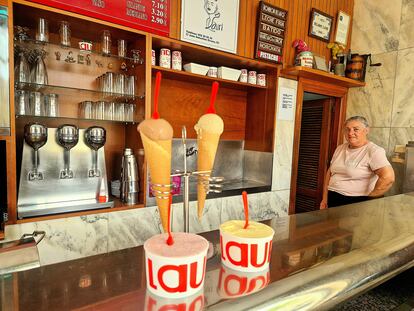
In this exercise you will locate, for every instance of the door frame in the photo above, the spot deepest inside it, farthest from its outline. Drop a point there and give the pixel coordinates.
(312, 86)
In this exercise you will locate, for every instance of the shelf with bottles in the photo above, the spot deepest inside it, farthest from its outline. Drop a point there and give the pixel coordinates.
(63, 119)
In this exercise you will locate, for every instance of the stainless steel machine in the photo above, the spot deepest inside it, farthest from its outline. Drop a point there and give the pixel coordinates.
(47, 189)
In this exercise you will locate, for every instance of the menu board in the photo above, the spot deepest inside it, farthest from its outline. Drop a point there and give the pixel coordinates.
(271, 27)
(147, 15)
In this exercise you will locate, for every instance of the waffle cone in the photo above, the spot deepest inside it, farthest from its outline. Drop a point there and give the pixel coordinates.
(158, 155)
(207, 148)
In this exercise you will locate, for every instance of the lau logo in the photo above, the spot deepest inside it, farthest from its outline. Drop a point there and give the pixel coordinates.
(186, 272)
(212, 9)
(196, 304)
(244, 250)
(244, 284)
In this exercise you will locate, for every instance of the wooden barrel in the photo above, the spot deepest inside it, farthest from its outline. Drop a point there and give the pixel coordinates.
(354, 67)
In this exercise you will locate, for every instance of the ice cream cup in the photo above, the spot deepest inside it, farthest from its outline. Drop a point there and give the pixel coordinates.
(247, 250)
(194, 302)
(234, 284)
(178, 270)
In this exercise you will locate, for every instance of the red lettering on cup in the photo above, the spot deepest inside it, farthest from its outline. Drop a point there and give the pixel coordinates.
(150, 275)
(151, 303)
(182, 278)
(270, 251)
(172, 307)
(243, 262)
(193, 274)
(254, 256)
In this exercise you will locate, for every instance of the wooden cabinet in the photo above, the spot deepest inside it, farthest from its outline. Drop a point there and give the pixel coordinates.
(248, 110)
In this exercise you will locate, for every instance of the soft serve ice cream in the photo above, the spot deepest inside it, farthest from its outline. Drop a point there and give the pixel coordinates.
(209, 129)
(156, 135)
(247, 249)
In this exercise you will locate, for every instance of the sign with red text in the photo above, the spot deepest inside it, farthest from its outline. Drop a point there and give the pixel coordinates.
(147, 15)
(271, 29)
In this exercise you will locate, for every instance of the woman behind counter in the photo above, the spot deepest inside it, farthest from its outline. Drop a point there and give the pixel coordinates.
(359, 168)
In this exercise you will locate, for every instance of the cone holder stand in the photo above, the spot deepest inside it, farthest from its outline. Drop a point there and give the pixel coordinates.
(211, 184)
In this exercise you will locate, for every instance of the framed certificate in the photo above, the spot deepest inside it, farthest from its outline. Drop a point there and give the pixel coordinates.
(320, 25)
(342, 28)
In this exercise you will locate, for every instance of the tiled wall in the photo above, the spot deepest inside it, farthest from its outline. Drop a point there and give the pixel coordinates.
(385, 29)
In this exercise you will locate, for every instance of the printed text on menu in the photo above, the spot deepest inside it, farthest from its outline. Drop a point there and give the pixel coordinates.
(159, 12)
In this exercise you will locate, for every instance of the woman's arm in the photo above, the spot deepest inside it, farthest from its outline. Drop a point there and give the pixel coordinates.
(324, 202)
(385, 180)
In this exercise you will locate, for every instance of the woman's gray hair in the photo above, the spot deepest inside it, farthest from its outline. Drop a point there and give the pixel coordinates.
(358, 118)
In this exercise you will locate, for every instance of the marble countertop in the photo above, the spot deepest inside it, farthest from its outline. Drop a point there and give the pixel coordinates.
(319, 259)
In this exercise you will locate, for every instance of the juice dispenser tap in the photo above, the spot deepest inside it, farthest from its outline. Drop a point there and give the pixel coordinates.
(67, 137)
(35, 136)
(95, 138)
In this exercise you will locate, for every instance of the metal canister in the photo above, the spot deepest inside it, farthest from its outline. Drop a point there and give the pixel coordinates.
(152, 57)
(243, 75)
(165, 58)
(252, 77)
(261, 79)
(176, 60)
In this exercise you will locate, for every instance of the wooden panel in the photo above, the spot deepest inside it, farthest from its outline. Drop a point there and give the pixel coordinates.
(181, 105)
(297, 26)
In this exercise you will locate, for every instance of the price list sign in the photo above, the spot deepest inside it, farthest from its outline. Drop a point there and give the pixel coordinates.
(147, 15)
(271, 28)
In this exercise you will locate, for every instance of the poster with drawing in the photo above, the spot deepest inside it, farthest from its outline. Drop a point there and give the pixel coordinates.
(211, 23)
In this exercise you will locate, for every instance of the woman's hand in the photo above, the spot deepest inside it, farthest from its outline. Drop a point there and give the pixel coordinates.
(323, 205)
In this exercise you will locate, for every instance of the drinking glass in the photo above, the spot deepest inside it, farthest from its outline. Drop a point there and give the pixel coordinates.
(129, 112)
(108, 82)
(38, 75)
(122, 48)
(86, 110)
(42, 32)
(22, 103)
(52, 105)
(106, 42)
(65, 34)
(119, 83)
(22, 69)
(120, 112)
(37, 104)
(130, 85)
(109, 111)
(99, 110)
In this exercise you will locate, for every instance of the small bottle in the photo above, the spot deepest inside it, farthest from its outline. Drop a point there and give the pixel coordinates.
(102, 196)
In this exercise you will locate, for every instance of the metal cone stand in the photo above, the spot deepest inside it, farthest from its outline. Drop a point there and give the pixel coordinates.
(211, 184)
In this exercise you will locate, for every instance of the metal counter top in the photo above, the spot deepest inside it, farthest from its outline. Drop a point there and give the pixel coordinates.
(319, 259)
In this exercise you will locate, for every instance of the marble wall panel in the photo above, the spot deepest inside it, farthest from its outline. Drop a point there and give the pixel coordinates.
(381, 137)
(374, 102)
(132, 227)
(67, 239)
(376, 25)
(403, 109)
(407, 25)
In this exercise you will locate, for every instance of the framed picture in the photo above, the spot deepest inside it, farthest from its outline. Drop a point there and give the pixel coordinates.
(320, 63)
(211, 23)
(342, 28)
(320, 25)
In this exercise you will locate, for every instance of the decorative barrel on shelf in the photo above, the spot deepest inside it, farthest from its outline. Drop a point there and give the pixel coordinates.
(355, 67)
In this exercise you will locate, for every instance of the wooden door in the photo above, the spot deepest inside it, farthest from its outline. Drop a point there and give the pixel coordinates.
(314, 150)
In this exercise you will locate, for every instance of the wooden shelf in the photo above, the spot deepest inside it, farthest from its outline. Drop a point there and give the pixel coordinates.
(1, 235)
(119, 206)
(210, 57)
(188, 76)
(321, 76)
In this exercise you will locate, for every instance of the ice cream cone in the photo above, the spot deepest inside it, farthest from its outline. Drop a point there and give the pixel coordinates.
(158, 155)
(207, 148)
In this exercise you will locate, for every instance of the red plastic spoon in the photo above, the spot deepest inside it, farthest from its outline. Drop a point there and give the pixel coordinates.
(246, 210)
(214, 90)
(170, 240)
(155, 114)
